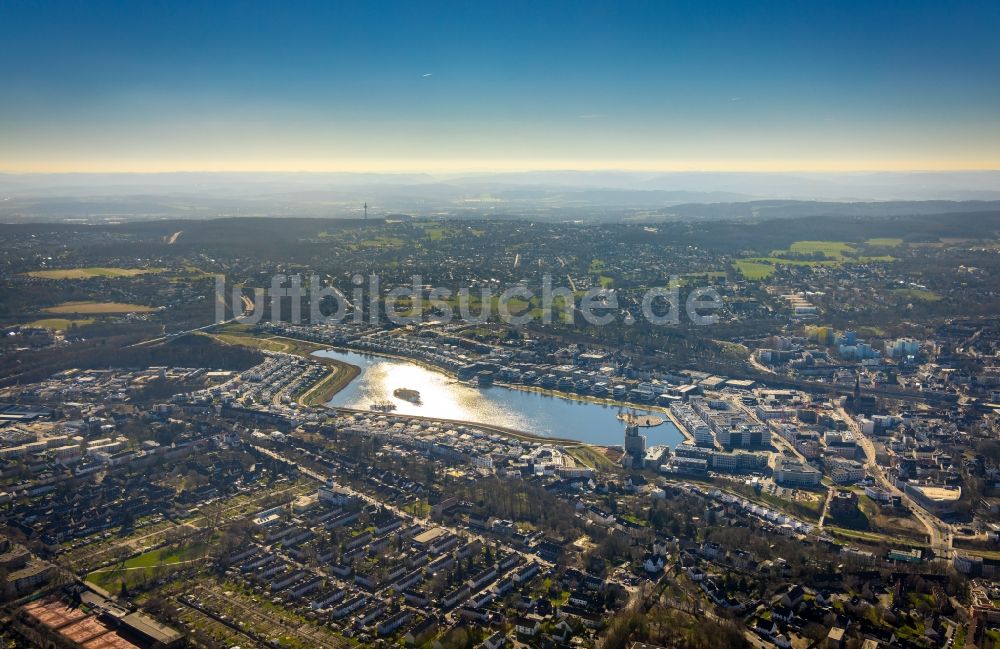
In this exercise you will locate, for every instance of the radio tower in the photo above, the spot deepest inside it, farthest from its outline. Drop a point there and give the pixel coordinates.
(366, 210)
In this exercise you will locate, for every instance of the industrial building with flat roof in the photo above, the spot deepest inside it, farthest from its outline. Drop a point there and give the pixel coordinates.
(938, 499)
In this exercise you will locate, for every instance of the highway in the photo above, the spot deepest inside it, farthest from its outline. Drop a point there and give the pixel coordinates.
(248, 307)
(158, 339)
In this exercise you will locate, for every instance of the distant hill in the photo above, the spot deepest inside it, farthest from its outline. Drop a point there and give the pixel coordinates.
(552, 195)
(764, 210)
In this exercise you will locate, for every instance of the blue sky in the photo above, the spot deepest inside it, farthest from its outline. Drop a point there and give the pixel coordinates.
(450, 86)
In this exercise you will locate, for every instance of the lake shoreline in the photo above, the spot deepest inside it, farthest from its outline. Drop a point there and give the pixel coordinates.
(518, 388)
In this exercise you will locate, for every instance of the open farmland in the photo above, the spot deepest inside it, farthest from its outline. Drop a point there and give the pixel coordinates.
(95, 271)
(98, 307)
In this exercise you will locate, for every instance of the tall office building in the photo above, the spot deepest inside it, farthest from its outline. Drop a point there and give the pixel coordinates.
(635, 445)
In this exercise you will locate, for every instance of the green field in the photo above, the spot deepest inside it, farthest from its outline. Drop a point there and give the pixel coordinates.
(144, 566)
(827, 253)
(805, 253)
(94, 271)
(98, 307)
(830, 249)
(190, 273)
(252, 340)
(436, 231)
(60, 324)
(797, 262)
(707, 276)
(591, 456)
(917, 294)
(379, 242)
(886, 242)
(597, 266)
(754, 270)
(241, 334)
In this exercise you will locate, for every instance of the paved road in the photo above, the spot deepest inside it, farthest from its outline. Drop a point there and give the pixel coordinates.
(938, 532)
(468, 535)
(462, 533)
(248, 307)
(135, 543)
(826, 507)
(151, 341)
(890, 392)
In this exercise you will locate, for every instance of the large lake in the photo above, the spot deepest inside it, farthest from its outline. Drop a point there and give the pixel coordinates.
(525, 410)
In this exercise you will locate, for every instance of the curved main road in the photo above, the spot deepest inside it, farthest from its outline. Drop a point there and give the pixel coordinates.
(938, 532)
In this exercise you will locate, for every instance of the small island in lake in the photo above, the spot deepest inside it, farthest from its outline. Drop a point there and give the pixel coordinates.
(412, 396)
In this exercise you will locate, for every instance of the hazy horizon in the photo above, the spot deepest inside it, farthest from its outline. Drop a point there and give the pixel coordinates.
(563, 194)
(449, 172)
